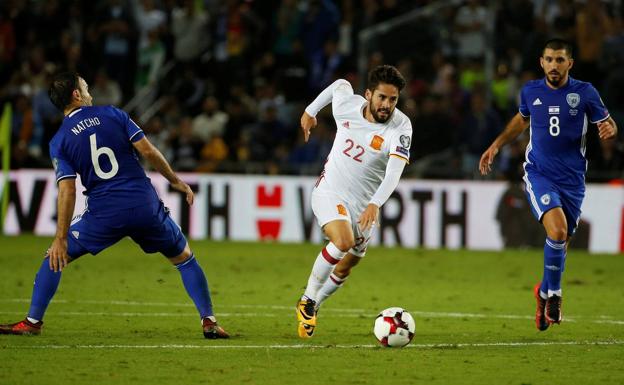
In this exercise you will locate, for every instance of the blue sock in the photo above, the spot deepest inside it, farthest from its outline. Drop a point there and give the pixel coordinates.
(554, 256)
(46, 283)
(196, 285)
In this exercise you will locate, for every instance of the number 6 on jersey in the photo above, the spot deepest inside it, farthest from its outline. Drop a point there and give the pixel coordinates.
(95, 155)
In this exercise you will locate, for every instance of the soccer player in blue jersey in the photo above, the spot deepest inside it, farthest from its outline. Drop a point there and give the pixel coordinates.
(101, 144)
(557, 108)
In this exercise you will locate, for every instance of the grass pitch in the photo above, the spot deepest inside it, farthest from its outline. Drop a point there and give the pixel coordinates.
(123, 317)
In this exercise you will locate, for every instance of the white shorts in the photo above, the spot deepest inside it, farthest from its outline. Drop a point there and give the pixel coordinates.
(328, 207)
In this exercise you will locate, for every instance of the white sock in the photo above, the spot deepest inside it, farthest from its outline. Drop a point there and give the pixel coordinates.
(32, 320)
(554, 292)
(329, 287)
(323, 266)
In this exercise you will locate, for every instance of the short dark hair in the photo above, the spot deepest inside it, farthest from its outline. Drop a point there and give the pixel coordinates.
(557, 44)
(62, 87)
(385, 74)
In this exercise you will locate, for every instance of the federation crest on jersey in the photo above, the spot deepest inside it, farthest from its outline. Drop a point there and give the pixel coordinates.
(573, 99)
(377, 142)
(405, 141)
(545, 199)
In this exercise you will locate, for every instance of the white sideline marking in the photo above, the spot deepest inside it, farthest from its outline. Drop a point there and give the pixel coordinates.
(342, 313)
(304, 346)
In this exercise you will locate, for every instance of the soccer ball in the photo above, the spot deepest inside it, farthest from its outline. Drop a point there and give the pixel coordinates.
(394, 327)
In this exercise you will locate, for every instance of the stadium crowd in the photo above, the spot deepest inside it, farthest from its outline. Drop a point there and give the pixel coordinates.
(219, 85)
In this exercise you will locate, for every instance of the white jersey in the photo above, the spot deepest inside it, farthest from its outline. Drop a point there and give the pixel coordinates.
(357, 162)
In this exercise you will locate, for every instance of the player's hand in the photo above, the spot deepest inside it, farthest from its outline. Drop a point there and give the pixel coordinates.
(307, 122)
(485, 164)
(369, 217)
(606, 130)
(57, 254)
(185, 188)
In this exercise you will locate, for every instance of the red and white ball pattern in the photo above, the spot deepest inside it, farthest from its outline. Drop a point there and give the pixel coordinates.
(394, 327)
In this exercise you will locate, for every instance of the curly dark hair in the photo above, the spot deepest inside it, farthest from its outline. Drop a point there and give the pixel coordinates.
(385, 74)
(62, 87)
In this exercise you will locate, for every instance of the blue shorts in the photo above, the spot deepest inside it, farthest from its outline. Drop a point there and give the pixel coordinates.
(150, 226)
(544, 194)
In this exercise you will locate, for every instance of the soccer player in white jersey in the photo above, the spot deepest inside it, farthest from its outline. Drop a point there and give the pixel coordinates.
(363, 168)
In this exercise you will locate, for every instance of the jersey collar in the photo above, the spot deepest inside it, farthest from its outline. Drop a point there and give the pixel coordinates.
(74, 112)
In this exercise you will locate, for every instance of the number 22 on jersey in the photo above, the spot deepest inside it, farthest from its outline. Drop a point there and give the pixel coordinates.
(357, 153)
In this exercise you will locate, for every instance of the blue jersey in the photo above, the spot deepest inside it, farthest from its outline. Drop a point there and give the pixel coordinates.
(96, 143)
(559, 119)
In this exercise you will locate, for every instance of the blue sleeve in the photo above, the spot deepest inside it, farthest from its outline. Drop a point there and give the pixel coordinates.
(134, 132)
(62, 167)
(595, 107)
(523, 108)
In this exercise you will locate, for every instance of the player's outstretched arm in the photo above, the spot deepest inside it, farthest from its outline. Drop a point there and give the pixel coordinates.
(607, 129)
(65, 206)
(515, 127)
(158, 161)
(338, 88)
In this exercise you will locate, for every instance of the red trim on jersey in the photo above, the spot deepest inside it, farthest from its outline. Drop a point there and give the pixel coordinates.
(328, 257)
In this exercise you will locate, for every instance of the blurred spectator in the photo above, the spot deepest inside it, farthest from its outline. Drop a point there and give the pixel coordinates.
(504, 90)
(433, 139)
(324, 66)
(149, 20)
(104, 90)
(185, 147)
(190, 30)
(320, 24)
(151, 57)
(117, 29)
(287, 28)
(212, 154)
(267, 135)
(593, 26)
(46, 120)
(211, 122)
(470, 30)
(7, 46)
(478, 129)
(264, 60)
(22, 128)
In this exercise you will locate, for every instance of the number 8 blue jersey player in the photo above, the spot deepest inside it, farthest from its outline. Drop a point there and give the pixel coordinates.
(100, 144)
(558, 109)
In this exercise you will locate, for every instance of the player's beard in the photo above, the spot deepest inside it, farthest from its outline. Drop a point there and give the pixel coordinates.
(375, 112)
(554, 79)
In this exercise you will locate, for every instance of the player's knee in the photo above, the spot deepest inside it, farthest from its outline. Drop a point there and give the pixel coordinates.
(558, 233)
(344, 244)
(182, 257)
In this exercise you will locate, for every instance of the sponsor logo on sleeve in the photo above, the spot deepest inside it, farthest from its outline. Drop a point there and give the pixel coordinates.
(402, 150)
(377, 142)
